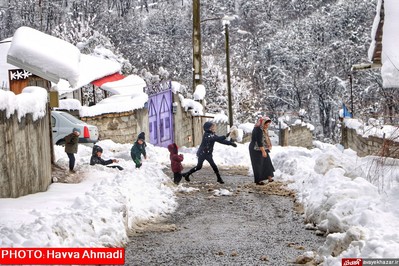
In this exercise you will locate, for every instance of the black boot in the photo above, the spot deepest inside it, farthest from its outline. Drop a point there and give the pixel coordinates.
(187, 176)
(219, 180)
(177, 178)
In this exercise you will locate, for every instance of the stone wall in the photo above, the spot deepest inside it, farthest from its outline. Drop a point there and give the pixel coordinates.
(124, 127)
(120, 127)
(296, 135)
(25, 155)
(370, 145)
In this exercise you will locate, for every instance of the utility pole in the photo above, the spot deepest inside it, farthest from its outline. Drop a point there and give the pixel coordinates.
(226, 33)
(351, 86)
(41, 15)
(197, 72)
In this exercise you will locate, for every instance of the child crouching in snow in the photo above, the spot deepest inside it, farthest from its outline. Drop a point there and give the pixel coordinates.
(175, 163)
(96, 158)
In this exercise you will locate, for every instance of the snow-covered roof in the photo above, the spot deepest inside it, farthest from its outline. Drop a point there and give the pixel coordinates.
(92, 68)
(116, 104)
(128, 96)
(387, 16)
(130, 85)
(54, 59)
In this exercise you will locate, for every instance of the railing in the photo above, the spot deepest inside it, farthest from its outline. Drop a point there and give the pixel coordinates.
(158, 87)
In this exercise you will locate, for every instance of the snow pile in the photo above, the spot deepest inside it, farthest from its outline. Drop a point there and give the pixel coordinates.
(222, 192)
(342, 200)
(219, 118)
(374, 128)
(176, 87)
(97, 212)
(199, 93)
(350, 199)
(194, 107)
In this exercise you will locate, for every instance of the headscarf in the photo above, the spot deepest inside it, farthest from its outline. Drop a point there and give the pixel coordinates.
(265, 136)
(262, 120)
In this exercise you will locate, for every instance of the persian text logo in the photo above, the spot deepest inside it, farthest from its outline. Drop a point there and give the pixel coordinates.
(352, 261)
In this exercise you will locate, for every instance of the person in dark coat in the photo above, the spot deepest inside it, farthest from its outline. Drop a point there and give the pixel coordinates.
(138, 149)
(71, 147)
(175, 163)
(96, 158)
(259, 150)
(205, 150)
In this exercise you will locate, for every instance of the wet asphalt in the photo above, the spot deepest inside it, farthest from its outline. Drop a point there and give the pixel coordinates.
(256, 225)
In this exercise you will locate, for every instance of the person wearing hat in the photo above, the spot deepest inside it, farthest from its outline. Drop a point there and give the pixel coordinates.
(96, 158)
(71, 147)
(205, 150)
(175, 163)
(138, 149)
(259, 149)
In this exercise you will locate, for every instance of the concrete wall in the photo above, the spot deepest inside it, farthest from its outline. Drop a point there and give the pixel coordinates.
(296, 135)
(187, 128)
(25, 155)
(370, 145)
(121, 127)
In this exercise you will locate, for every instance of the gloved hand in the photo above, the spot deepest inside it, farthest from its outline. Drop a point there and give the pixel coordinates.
(233, 144)
(227, 135)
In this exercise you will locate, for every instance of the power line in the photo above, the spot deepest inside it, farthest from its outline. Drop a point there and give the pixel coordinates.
(391, 61)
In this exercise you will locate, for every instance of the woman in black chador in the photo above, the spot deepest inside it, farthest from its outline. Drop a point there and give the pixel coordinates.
(259, 150)
(206, 148)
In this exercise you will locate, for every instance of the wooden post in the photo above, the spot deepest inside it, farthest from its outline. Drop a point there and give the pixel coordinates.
(197, 71)
(226, 31)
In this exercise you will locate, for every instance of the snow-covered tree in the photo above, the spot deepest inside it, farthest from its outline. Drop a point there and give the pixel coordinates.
(284, 55)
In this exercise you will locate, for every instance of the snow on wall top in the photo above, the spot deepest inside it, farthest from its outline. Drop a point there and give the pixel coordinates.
(32, 100)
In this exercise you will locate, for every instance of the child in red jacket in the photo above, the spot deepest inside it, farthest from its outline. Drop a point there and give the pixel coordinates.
(175, 163)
